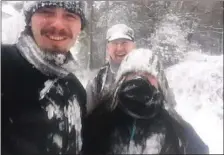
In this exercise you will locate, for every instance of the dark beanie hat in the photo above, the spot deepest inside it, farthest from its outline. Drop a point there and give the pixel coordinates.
(77, 7)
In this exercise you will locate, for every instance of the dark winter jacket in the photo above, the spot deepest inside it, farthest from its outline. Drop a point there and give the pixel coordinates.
(40, 114)
(137, 117)
(99, 86)
(115, 132)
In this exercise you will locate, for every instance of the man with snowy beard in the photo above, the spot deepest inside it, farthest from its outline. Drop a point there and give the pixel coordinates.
(43, 103)
(137, 118)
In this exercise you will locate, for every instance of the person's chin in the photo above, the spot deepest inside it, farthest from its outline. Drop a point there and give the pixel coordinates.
(119, 59)
(59, 46)
(55, 48)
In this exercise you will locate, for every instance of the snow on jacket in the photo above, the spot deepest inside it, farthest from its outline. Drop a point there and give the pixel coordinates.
(41, 114)
(112, 129)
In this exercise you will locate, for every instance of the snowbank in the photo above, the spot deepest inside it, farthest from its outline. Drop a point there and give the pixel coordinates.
(197, 83)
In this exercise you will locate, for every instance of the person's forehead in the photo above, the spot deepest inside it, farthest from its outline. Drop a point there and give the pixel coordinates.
(120, 40)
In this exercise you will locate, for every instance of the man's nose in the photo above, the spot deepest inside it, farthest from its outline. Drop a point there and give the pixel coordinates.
(120, 47)
(58, 23)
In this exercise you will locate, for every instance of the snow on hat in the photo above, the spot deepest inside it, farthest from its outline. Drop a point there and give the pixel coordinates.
(120, 31)
(77, 7)
(148, 62)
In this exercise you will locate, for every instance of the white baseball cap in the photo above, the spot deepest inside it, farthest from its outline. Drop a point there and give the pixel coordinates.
(120, 31)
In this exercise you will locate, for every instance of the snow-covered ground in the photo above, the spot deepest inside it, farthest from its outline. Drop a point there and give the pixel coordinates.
(197, 83)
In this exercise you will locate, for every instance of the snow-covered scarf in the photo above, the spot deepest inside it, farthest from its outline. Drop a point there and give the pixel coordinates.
(48, 63)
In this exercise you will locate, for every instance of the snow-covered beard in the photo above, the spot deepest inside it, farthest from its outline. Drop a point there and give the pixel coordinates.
(48, 62)
(55, 57)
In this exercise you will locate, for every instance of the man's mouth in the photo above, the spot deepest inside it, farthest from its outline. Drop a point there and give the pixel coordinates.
(56, 38)
(120, 55)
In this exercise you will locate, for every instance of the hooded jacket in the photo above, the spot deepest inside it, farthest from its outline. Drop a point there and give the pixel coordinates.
(114, 127)
(41, 113)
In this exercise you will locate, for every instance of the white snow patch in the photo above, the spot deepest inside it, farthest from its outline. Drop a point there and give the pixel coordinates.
(73, 113)
(57, 140)
(53, 110)
(198, 87)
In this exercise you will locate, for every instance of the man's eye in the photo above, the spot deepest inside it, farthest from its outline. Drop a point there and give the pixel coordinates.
(47, 12)
(113, 43)
(71, 16)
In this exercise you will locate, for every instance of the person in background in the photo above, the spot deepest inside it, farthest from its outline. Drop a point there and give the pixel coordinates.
(43, 103)
(137, 118)
(120, 41)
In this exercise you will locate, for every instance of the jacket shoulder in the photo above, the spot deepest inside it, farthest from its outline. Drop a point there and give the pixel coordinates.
(98, 80)
(102, 71)
(8, 49)
(9, 53)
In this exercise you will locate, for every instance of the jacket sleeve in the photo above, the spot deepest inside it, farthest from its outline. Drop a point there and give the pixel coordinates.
(192, 142)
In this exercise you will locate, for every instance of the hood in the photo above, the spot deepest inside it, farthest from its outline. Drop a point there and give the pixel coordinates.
(143, 60)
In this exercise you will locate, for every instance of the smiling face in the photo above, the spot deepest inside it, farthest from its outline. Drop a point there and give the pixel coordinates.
(118, 49)
(55, 29)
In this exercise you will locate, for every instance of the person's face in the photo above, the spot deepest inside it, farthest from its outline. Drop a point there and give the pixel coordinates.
(118, 49)
(55, 29)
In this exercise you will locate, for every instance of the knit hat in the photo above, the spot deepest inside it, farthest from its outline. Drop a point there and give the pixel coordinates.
(120, 31)
(77, 7)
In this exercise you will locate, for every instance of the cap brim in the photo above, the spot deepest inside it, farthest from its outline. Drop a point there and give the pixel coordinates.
(119, 36)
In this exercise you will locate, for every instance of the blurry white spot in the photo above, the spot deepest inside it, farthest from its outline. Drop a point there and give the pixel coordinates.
(10, 119)
(54, 110)
(60, 59)
(153, 144)
(57, 140)
(61, 126)
(133, 148)
(73, 113)
(47, 85)
(180, 143)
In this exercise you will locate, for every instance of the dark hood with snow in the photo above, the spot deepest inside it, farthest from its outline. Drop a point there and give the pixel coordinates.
(77, 7)
(141, 81)
(146, 63)
(138, 118)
